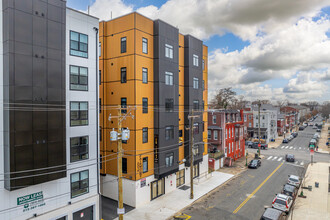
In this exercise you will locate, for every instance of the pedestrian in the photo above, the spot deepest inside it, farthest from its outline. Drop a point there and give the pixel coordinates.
(317, 148)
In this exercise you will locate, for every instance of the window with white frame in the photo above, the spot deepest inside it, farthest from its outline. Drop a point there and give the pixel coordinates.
(195, 60)
(214, 119)
(144, 75)
(169, 51)
(195, 83)
(79, 183)
(232, 132)
(209, 133)
(250, 125)
(144, 45)
(215, 135)
(168, 78)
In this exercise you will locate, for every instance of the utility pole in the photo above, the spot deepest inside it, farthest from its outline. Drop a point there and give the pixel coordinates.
(259, 105)
(192, 121)
(120, 169)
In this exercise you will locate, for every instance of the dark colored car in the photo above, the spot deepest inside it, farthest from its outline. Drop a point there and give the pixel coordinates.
(248, 143)
(289, 190)
(285, 140)
(301, 128)
(254, 163)
(318, 130)
(273, 214)
(289, 158)
(294, 134)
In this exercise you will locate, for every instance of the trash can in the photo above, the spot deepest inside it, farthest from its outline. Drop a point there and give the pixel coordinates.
(256, 156)
(316, 184)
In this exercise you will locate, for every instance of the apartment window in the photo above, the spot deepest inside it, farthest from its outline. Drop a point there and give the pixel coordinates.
(215, 135)
(195, 60)
(144, 45)
(196, 105)
(196, 171)
(196, 128)
(100, 77)
(78, 113)
(123, 78)
(124, 105)
(124, 141)
(123, 45)
(79, 183)
(229, 133)
(100, 130)
(78, 148)
(169, 133)
(214, 119)
(263, 117)
(226, 133)
(209, 133)
(124, 165)
(256, 124)
(169, 78)
(203, 85)
(203, 64)
(180, 133)
(144, 135)
(145, 105)
(78, 78)
(169, 105)
(144, 75)
(100, 105)
(145, 164)
(169, 159)
(78, 44)
(195, 83)
(169, 51)
(232, 132)
(180, 177)
(99, 49)
(263, 125)
(249, 117)
(244, 117)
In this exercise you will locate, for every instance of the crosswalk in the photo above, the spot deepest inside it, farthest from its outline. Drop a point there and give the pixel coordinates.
(293, 148)
(279, 159)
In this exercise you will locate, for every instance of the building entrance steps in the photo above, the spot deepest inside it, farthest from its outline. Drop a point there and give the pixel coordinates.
(167, 205)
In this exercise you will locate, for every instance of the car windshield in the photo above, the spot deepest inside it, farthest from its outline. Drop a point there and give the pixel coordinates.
(288, 188)
(293, 180)
(281, 202)
(290, 156)
(254, 162)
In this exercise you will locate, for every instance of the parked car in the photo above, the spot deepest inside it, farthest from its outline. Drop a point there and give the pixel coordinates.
(294, 180)
(285, 140)
(301, 128)
(294, 134)
(248, 143)
(263, 146)
(318, 130)
(289, 158)
(282, 202)
(273, 214)
(314, 127)
(289, 190)
(254, 163)
(290, 137)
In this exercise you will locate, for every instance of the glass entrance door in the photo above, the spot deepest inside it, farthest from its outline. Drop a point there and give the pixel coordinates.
(157, 188)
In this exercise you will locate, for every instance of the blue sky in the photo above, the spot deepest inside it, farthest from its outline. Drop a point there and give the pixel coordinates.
(286, 44)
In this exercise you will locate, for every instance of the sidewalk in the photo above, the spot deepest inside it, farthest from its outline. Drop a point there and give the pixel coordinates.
(317, 203)
(277, 142)
(167, 205)
(323, 148)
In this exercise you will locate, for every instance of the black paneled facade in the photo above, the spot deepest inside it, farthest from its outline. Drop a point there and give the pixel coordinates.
(166, 88)
(193, 94)
(34, 91)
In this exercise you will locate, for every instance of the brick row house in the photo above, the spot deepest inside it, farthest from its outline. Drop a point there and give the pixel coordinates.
(248, 123)
(226, 132)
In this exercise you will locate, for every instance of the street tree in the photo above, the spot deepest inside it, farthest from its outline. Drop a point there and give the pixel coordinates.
(325, 110)
(224, 99)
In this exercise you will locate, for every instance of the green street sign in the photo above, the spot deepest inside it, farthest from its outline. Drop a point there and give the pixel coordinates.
(29, 198)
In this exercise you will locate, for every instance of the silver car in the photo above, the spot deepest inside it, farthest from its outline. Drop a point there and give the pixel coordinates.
(282, 202)
(294, 180)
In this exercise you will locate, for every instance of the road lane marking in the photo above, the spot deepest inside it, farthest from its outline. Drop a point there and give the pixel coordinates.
(291, 147)
(296, 162)
(294, 148)
(274, 158)
(269, 158)
(302, 163)
(299, 148)
(286, 147)
(256, 190)
(282, 147)
(279, 159)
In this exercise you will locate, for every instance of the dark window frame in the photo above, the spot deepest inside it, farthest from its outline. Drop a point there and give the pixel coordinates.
(80, 145)
(79, 78)
(144, 159)
(169, 105)
(79, 114)
(78, 50)
(144, 105)
(144, 43)
(124, 162)
(145, 135)
(196, 107)
(169, 133)
(80, 184)
(124, 111)
(123, 75)
(144, 72)
(123, 45)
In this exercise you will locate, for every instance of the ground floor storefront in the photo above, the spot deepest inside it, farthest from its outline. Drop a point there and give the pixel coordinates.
(140, 192)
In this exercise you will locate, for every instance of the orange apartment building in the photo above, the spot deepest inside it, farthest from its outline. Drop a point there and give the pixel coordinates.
(159, 76)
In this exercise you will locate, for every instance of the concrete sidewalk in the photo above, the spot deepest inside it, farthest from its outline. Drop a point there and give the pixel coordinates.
(316, 205)
(276, 143)
(167, 205)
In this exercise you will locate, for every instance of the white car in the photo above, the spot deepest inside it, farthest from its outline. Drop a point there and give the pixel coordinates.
(294, 180)
(282, 202)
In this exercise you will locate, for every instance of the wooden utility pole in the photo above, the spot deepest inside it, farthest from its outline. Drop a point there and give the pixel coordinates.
(120, 169)
(192, 122)
(259, 105)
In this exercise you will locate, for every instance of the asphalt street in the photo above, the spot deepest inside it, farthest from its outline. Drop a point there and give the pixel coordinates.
(246, 196)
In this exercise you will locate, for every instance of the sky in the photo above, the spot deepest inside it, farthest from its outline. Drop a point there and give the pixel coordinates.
(263, 49)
